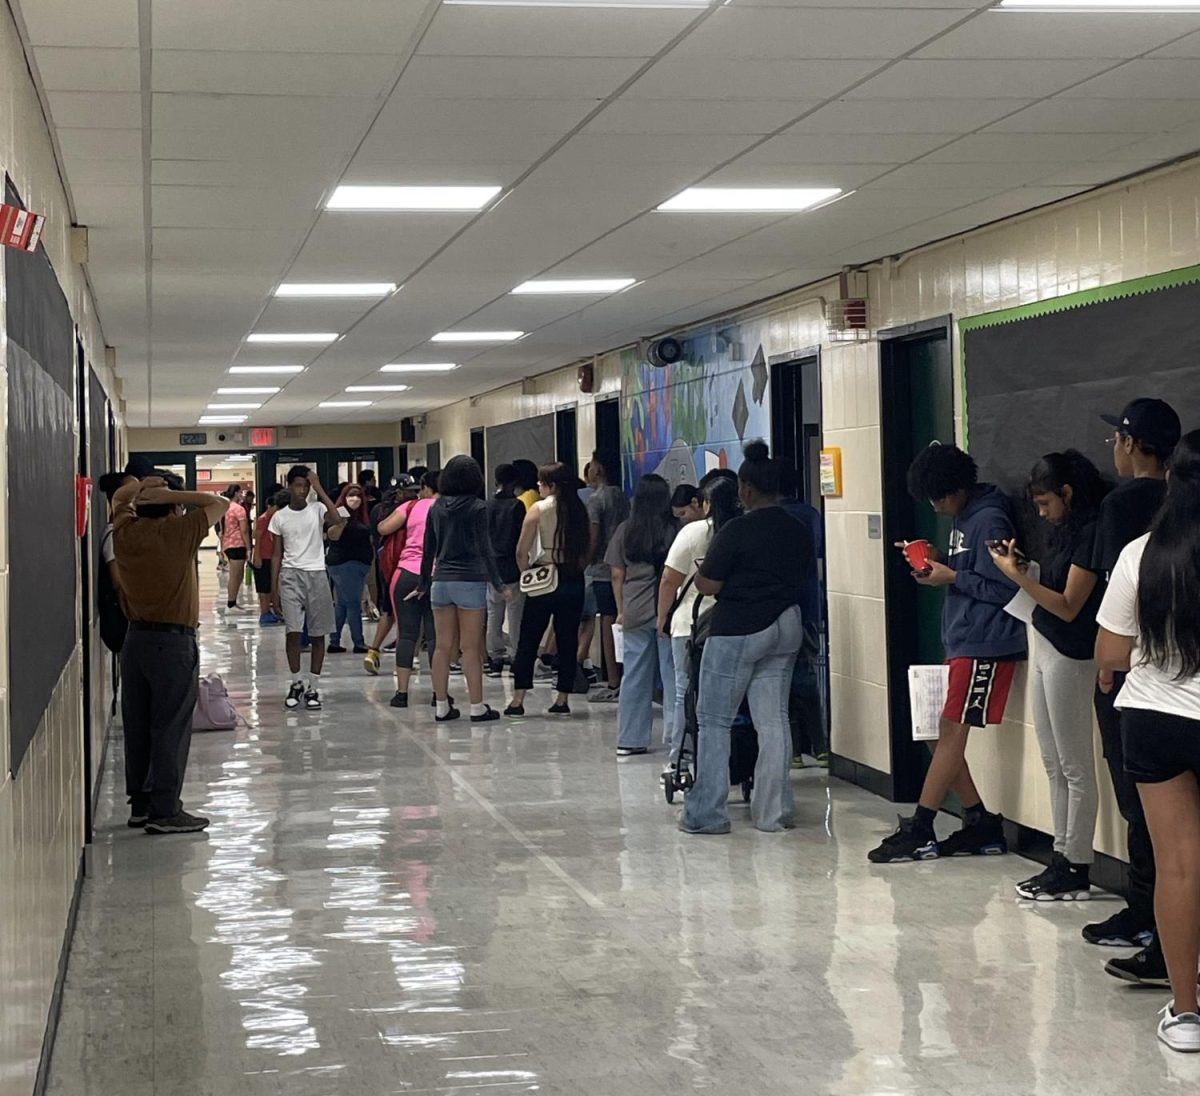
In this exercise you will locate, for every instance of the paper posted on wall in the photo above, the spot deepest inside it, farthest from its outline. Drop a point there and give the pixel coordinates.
(927, 690)
(1023, 605)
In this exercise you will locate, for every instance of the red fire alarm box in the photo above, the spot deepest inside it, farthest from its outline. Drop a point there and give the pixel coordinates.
(263, 437)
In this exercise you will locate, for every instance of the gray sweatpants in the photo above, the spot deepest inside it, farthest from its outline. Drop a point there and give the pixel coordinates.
(501, 642)
(1062, 715)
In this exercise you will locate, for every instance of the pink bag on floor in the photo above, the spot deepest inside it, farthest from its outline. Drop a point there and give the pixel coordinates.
(214, 710)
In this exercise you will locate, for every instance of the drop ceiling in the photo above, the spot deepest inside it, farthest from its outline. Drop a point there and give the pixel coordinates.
(200, 142)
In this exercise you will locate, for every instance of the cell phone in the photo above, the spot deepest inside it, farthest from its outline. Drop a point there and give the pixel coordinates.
(1001, 549)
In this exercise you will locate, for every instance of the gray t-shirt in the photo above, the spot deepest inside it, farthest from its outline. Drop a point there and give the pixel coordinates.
(641, 582)
(607, 508)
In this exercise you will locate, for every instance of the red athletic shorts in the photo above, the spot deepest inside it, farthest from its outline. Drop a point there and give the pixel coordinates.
(979, 689)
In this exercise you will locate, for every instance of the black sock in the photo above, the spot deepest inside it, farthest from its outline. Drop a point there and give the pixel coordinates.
(231, 604)
(923, 818)
(974, 815)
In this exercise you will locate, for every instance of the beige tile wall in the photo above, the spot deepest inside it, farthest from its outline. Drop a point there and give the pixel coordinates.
(41, 811)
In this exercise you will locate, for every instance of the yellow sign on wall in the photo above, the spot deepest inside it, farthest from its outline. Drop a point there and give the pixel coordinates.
(831, 473)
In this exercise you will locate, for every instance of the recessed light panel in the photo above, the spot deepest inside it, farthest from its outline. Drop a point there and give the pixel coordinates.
(431, 199)
(221, 420)
(345, 403)
(718, 199)
(335, 289)
(1139, 7)
(418, 367)
(293, 338)
(477, 336)
(233, 406)
(377, 387)
(268, 391)
(264, 369)
(593, 286)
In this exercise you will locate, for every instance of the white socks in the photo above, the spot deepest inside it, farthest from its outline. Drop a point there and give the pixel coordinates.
(443, 708)
(479, 709)
(587, 664)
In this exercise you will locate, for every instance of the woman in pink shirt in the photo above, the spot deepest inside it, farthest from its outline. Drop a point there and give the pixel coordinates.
(413, 614)
(235, 543)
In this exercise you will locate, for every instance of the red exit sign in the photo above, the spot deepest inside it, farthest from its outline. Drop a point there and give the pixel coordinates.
(263, 436)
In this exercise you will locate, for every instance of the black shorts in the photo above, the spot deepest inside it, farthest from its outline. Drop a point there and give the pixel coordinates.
(606, 600)
(1159, 746)
(383, 593)
(235, 553)
(262, 577)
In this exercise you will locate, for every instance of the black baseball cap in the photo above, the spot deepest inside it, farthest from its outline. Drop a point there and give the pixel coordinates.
(1152, 422)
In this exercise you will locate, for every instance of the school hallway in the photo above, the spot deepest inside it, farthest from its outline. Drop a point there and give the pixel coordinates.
(384, 906)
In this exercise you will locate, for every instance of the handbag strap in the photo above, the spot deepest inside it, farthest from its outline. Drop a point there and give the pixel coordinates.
(683, 592)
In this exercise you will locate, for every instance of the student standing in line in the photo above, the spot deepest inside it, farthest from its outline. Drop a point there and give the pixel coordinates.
(348, 559)
(527, 482)
(636, 554)
(687, 504)
(1150, 632)
(414, 614)
(1067, 490)
(457, 566)
(263, 553)
(983, 646)
(755, 568)
(506, 513)
(1147, 431)
(235, 542)
(156, 546)
(607, 508)
(404, 490)
(555, 532)
(299, 582)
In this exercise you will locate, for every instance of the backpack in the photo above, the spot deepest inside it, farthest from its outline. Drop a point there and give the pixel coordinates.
(113, 622)
(214, 710)
(393, 544)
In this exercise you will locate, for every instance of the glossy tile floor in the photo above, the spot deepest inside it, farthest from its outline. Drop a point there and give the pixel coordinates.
(385, 906)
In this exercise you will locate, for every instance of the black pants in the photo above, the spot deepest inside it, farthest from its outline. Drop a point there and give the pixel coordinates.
(158, 693)
(806, 714)
(564, 607)
(411, 618)
(1141, 851)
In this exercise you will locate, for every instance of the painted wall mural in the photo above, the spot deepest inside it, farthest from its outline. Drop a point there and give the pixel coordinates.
(696, 415)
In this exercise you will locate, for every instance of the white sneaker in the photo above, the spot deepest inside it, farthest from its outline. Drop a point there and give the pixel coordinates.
(1180, 1032)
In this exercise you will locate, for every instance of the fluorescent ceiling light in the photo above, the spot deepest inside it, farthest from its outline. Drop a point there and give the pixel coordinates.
(477, 336)
(1083, 6)
(335, 289)
(247, 391)
(216, 420)
(345, 403)
(429, 367)
(233, 406)
(581, 3)
(266, 369)
(414, 198)
(378, 387)
(575, 285)
(720, 199)
(295, 338)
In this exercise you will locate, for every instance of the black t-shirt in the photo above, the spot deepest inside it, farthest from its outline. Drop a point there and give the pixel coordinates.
(763, 558)
(353, 546)
(1076, 639)
(1124, 516)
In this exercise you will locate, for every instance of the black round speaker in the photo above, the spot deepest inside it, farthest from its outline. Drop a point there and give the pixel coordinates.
(666, 351)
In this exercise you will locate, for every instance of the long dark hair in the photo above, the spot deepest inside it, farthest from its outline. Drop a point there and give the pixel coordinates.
(651, 524)
(1169, 583)
(360, 514)
(722, 497)
(1052, 475)
(572, 539)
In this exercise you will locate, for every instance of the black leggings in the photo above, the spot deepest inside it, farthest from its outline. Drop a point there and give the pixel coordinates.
(411, 616)
(565, 607)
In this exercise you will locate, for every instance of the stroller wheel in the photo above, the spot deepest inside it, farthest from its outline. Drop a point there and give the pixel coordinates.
(668, 784)
(747, 788)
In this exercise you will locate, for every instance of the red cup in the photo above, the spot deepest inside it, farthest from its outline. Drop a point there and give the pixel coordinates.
(918, 553)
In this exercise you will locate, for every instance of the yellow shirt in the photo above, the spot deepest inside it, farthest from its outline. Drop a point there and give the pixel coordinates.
(529, 498)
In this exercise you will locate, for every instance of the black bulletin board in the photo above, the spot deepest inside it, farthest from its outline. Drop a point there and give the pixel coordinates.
(41, 487)
(531, 439)
(1039, 378)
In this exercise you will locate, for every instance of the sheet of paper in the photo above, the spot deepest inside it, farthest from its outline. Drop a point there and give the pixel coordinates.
(1022, 606)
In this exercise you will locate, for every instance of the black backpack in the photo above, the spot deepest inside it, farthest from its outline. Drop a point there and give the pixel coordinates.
(113, 622)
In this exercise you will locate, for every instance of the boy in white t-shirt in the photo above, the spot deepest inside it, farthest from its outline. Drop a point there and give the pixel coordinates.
(299, 583)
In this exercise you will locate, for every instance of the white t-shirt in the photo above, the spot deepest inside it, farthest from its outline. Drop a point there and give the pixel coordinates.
(303, 535)
(689, 545)
(1147, 687)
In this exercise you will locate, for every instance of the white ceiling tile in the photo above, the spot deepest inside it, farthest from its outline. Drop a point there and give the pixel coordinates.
(229, 207)
(312, 315)
(109, 23)
(373, 246)
(105, 173)
(925, 175)
(1095, 173)
(1164, 79)
(635, 149)
(987, 79)
(747, 171)
(797, 147)
(515, 77)
(868, 7)
(1046, 35)
(700, 117)
(462, 116)
(101, 205)
(74, 68)
(240, 72)
(730, 78)
(99, 144)
(1165, 146)
(96, 109)
(239, 173)
(419, 153)
(1075, 115)
(1188, 46)
(232, 250)
(796, 33)
(1001, 148)
(551, 32)
(871, 115)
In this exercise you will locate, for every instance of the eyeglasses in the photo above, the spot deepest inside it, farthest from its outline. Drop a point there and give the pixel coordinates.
(1118, 436)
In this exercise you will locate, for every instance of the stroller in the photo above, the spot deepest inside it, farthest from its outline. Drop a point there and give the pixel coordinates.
(743, 739)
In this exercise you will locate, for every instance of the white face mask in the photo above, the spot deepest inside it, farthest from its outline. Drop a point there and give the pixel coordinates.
(353, 502)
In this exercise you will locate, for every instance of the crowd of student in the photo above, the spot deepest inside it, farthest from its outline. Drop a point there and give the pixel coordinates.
(691, 601)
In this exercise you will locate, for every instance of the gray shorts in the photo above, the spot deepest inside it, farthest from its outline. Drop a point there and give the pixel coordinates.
(305, 597)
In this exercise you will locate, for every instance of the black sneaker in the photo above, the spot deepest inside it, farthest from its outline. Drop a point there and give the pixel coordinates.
(336, 649)
(983, 838)
(487, 716)
(294, 696)
(399, 700)
(312, 700)
(907, 843)
(1146, 968)
(452, 714)
(1061, 882)
(494, 667)
(1033, 881)
(515, 710)
(433, 701)
(1122, 930)
(179, 823)
(359, 649)
(138, 820)
(592, 675)
(456, 667)
(558, 709)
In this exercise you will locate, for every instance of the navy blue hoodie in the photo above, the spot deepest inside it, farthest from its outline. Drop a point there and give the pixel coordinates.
(974, 623)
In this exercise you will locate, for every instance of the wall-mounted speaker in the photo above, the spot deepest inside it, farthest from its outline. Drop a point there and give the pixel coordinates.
(408, 432)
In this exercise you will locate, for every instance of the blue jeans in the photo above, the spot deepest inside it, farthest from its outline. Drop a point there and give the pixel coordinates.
(758, 667)
(647, 655)
(679, 656)
(348, 581)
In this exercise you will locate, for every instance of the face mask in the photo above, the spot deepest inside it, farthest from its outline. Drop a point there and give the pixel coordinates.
(353, 501)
